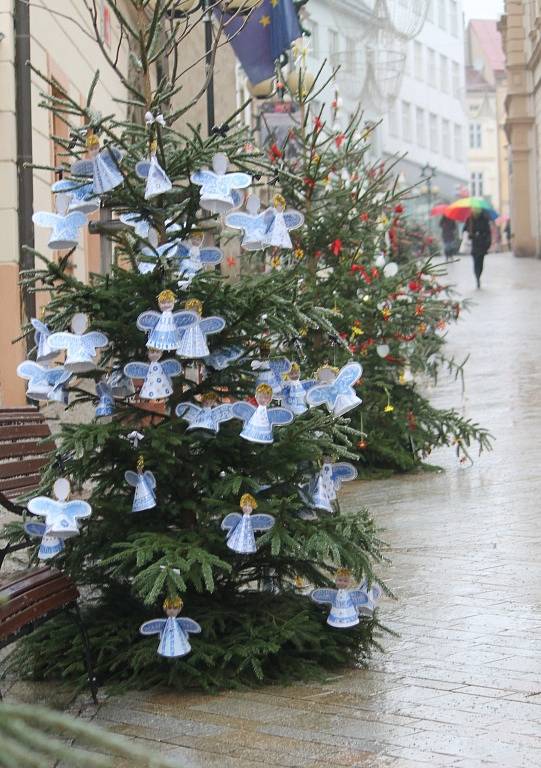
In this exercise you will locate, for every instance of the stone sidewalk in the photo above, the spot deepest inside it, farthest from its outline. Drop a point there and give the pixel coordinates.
(461, 686)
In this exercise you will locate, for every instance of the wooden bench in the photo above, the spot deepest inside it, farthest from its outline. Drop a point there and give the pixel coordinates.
(31, 597)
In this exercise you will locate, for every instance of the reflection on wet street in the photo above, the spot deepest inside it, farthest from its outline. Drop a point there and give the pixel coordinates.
(461, 685)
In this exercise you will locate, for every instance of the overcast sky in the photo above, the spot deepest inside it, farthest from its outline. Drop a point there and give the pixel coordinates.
(482, 9)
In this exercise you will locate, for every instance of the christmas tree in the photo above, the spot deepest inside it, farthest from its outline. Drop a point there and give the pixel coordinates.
(179, 446)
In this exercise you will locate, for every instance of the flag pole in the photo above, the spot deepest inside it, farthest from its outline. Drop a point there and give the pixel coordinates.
(209, 68)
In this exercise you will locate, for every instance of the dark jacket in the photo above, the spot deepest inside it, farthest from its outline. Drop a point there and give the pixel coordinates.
(478, 228)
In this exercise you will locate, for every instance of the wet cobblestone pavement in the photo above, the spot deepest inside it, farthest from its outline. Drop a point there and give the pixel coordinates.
(461, 685)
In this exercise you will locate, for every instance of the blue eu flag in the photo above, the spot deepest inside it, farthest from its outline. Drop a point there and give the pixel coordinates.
(262, 38)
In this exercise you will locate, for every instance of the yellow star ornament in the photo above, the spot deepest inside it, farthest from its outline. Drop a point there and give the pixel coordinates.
(265, 21)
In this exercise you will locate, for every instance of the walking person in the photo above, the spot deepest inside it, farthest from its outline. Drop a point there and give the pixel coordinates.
(478, 228)
(508, 234)
(449, 236)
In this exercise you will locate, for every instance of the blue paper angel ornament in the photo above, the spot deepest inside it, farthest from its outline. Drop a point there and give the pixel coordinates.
(106, 403)
(218, 186)
(61, 516)
(208, 415)
(315, 495)
(44, 383)
(165, 328)
(193, 257)
(44, 353)
(102, 166)
(49, 545)
(335, 389)
(145, 487)
(121, 385)
(373, 594)
(260, 421)
(281, 223)
(222, 358)
(65, 228)
(173, 631)
(157, 375)
(333, 475)
(271, 372)
(193, 343)
(80, 195)
(81, 347)
(142, 227)
(253, 224)
(241, 528)
(158, 182)
(157, 254)
(345, 602)
(293, 394)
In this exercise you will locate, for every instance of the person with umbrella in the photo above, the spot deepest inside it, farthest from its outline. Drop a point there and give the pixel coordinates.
(477, 214)
(448, 235)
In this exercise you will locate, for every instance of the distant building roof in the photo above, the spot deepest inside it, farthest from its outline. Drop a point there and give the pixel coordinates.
(476, 82)
(491, 42)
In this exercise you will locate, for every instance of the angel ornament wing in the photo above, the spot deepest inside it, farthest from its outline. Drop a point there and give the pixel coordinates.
(81, 347)
(281, 223)
(344, 601)
(163, 254)
(158, 182)
(253, 224)
(65, 228)
(173, 631)
(102, 166)
(44, 383)
(373, 594)
(106, 403)
(271, 371)
(157, 384)
(49, 545)
(193, 257)
(241, 528)
(222, 358)
(316, 496)
(193, 343)
(260, 421)
(61, 516)
(145, 487)
(293, 394)
(333, 475)
(335, 390)
(44, 353)
(142, 227)
(80, 195)
(165, 328)
(218, 186)
(209, 415)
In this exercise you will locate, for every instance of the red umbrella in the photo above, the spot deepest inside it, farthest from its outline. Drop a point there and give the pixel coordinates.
(439, 210)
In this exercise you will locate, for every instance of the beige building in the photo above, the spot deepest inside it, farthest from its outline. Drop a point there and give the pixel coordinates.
(57, 37)
(521, 34)
(486, 88)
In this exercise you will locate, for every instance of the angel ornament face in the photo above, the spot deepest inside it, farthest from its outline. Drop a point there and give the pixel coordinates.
(260, 421)
(345, 602)
(145, 487)
(281, 224)
(241, 528)
(81, 347)
(193, 257)
(102, 166)
(61, 516)
(65, 225)
(335, 390)
(218, 188)
(158, 182)
(173, 631)
(157, 384)
(45, 383)
(165, 328)
(208, 415)
(193, 343)
(293, 394)
(253, 224)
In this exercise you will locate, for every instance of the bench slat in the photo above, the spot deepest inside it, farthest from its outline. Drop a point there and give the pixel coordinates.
(18, 468)
(38, 610)
(14, 450)
(15, 432)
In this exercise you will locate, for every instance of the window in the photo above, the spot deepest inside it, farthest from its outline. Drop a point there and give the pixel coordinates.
(444, 74)
(453, 17)
(446, 137)
(431, 67)
(393, 121)
(476, 183)
(420, 126)
(475, 136)
(333, 46)
(434, 137)
(313, 28)
(406, 121)
(350, 55)
(430, 11)
(456, 79)
(442, 20)
(457, 140)
(418, 60)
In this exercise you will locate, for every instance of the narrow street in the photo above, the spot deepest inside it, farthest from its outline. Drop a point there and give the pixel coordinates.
(461, 685)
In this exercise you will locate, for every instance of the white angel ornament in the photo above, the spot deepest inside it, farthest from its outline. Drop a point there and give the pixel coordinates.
(271, 371)
(142, 227)
(260, 421)
(106, 403)
(173, 631)
(102, 166)
(193, 343)
(80, 195)
(49, 545)
(193, 257)
(165, 328)
(65, 226)
(157, 375)
(253, 224)
(158, 182)
(241, 528)
(345, 602)
(218, 188)
(281, 224)
(333, 475)
(209, 415)
(163, 253)
(373, 594)
(44, 353)
(293, 394)
(81, 347)
(61, 516)
(145, 486)
(44, 383)
(335, 389)
(222, 358)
